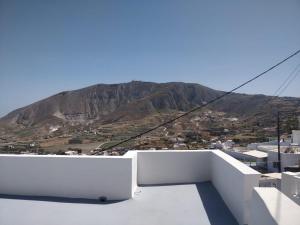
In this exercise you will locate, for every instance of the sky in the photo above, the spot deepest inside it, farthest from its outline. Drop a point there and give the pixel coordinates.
(49, 46)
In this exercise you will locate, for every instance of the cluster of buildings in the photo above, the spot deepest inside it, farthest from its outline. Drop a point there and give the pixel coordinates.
(266, 154)
(280, 169)
(236, 186)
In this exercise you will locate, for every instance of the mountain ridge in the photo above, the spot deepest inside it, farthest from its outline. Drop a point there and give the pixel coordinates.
(134, 100)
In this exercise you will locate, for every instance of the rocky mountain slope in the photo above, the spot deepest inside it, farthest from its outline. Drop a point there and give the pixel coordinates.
(135, 100)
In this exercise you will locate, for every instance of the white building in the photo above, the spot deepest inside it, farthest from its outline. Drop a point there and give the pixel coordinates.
(266, 146)
(289, 156)
(287, 160)
(258, 157)
(202, 187)
(270, 180)
(296, 136)
(222, 145)
(71, 152)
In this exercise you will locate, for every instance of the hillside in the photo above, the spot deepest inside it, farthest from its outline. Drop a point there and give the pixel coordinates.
(106, 103)
(98, 102)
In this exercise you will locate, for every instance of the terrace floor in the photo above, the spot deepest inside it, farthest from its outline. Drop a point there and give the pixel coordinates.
(188, 204)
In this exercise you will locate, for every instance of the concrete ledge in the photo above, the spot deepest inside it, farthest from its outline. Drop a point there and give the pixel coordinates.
(290, 185)
(171, 167)
(271, 207)
(117, 178)
(65, 176)
(234, 181)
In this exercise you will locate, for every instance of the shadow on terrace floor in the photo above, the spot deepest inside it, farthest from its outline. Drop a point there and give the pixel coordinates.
(215, 207)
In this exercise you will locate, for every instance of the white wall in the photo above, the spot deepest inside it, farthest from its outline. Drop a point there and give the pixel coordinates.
(240, 155)
(290, 186)
(271, 207)
(287, 159)
(66, 176)
(272, 157)
(169, 167)
(234, 181)
(270, 182)
(296, 136)
(117, 177)
(133, 155)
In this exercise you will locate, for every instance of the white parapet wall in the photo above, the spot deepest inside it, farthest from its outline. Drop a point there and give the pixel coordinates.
(116, 177)
(269, 206)
(133, 155)
(67, 176)
(234, 182)
(233, 179)
(173, 167)
(290, 185)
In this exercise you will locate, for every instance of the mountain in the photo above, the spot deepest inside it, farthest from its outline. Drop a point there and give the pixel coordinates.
(135, 100)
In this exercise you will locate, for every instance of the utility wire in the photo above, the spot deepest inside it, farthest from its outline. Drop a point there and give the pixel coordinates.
(203, 105)
(286, 82)
(289, 82)
(292, 75)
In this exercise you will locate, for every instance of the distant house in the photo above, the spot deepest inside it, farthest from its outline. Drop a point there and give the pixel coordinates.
(287, 160)
(75, 141)
(270, 180)
(71, 153)
(296, 136)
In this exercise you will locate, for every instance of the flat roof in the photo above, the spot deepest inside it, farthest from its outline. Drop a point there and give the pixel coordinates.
(189, 204)
(256, 154)
(273, 175)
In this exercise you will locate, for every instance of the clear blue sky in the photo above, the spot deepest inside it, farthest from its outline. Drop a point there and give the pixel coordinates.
(47, 46)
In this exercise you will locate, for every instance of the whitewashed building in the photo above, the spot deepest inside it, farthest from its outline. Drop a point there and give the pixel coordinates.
(296, 136)
(287, 160)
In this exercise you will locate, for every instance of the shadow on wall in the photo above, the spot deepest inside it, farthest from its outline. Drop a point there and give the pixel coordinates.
(218, 214)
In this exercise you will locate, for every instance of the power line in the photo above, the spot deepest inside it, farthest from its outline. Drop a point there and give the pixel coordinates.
(203, 105)
(289, 82)
(279, 90)
(291, 76)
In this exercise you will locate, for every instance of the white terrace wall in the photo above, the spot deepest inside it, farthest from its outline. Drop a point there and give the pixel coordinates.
(117, 177)
(65, 176)
(290, 186)
(233, 179)
(170, 167)
(133, 155)
(234, 182)
(271, 207)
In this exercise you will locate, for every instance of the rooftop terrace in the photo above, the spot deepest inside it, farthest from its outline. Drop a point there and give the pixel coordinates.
(141, 187)
(197, 204)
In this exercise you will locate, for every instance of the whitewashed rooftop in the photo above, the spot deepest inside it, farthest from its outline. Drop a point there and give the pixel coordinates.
(205, 187)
